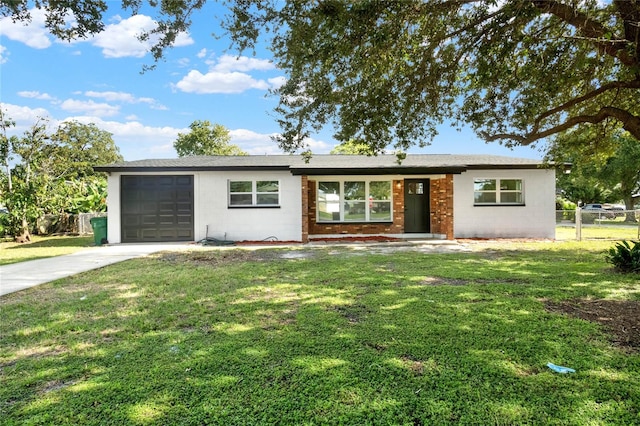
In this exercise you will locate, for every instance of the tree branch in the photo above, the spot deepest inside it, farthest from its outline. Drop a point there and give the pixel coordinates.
(614, 85)
(630, 123)
(590, 28)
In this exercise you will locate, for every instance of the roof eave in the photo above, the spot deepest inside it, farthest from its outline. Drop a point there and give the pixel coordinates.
(147, 169)
(377, 171)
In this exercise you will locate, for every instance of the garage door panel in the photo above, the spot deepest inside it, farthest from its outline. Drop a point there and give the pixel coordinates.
(184, 181)
(157, 208)
(184, 220)
(148, 220)
(165, 207)
(183, 207)
(131, 220)
(184, 196)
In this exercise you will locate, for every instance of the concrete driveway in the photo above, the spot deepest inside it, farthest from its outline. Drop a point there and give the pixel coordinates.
(18, 276)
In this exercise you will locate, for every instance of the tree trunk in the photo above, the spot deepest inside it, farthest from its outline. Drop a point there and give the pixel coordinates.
(24, 236)
(628, 205)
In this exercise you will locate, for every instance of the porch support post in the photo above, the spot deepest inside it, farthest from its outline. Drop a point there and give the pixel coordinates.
(442, 206)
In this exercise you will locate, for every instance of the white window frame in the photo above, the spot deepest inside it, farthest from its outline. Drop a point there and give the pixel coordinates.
(499, 191)
(367, 202)
(254, 193)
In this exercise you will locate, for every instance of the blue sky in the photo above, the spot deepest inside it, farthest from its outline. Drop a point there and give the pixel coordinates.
(99, 81)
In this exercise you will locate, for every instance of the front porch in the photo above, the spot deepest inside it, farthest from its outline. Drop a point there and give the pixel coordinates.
(438, 213)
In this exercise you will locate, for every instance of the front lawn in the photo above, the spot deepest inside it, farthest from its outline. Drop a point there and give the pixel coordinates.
(42, 247)
(325, 336)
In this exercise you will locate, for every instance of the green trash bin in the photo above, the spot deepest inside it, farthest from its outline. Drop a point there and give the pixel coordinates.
(99, 225)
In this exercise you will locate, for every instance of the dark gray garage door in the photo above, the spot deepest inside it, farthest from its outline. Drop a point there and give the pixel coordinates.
(156, 208)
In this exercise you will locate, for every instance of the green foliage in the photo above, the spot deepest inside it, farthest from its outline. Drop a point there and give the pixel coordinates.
(625, 256)
(352, 147)
(389, 72)
(77, 148)
(605, 169)
(88, 195)
(206, 139)
(53, 173)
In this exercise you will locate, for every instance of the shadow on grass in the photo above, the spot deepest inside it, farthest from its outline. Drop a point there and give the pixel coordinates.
(42, 247)
(335, 338)
(52, 242)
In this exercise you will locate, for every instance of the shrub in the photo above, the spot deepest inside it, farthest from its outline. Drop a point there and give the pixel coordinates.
(625, 256)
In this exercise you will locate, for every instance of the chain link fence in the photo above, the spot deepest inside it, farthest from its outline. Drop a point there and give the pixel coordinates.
(597, 224)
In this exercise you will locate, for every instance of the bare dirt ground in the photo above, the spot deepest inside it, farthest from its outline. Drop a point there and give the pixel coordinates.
(619, 317)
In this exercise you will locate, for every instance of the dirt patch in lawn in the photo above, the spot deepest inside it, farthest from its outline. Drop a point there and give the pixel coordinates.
(225, 257)
(619, 317)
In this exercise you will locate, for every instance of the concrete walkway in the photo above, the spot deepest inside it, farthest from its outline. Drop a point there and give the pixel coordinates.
(18, 276)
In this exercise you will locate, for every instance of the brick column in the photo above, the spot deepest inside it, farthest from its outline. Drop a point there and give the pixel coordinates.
(442, 206)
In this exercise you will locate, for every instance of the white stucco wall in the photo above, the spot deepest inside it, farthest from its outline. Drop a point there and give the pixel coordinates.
(536, 219)
(254, 224)
(211, 208)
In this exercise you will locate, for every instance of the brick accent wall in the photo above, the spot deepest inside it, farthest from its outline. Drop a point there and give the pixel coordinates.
(395, 227)
(441, 211)
(441, 197)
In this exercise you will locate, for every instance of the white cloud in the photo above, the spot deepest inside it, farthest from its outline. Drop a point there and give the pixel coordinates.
(318, 146)
(202, 53)
(229, 74)
(121, 39)
(24, 117)
(90, 107)
(262, 143)
(34, 94)
(137, 140)
(33, 34)
(254, 143)
(3, 54)
(229, 63)
(112, 96)
(125, 98)
(277, 82)
(217, 82)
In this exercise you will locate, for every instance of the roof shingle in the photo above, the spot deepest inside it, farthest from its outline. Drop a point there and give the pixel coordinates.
(328, 163)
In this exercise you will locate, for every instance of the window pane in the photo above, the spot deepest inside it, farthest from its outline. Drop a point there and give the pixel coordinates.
(380, 210)
(380, 190)
(511, 197)
(267, 186)
(511, 185)
(484, 197)
(328, 201)
(240, 199)
(484, 185)
(240, 186)
(271, 199)
(354, 210)
(354, 190)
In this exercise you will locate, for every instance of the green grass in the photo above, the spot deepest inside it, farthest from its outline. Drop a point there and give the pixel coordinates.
(602, 232)
(345, 336)
(42, 247)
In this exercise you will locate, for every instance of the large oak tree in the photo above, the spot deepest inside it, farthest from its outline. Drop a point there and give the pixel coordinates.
(389, 72)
